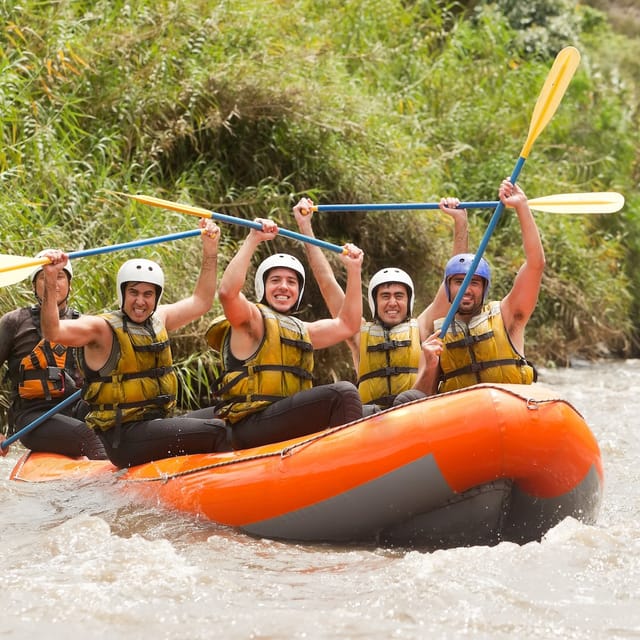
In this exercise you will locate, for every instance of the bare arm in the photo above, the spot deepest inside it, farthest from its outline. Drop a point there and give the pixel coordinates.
(330, 289)
(519, 304)
(440, 305)
(91, 332)
(184, 311)
(428, 368)
(7, 334)
(460, 224)
(325, 333)
(244, 316)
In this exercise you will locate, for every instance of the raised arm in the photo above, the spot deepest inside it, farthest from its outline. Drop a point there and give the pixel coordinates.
(91, 332)
(519, 304)
(330, 289)
(460, 224)
(440, 305)
(243, 315)
(326, 333)
(180, 313)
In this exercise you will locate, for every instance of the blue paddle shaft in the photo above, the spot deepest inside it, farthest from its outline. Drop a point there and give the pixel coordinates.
(81, 254)
(135, 243)
(482, 204)
(495, 218)
(252, 224)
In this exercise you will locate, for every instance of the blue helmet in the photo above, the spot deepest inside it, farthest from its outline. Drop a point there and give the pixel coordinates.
(460, 265)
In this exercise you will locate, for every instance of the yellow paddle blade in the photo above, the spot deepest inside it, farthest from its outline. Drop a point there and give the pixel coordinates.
(16, 268)
(598, 202)
(564, 66)
(168, 204)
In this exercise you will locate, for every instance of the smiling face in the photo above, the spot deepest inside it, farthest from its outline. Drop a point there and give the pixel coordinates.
(471, 302)
(281, 289)
(392, 303)
(139, 300)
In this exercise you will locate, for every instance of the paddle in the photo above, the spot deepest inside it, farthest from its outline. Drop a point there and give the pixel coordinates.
(38, 421)
(563, 203)
(16, 268)
(562, 70)
(221, 217)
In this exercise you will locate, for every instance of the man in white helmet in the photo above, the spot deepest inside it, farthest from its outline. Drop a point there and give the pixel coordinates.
(386, 350)
(265, 389)
(43, 374)
(125, 355)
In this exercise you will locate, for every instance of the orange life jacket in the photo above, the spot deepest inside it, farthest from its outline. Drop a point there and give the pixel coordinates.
(51, 370)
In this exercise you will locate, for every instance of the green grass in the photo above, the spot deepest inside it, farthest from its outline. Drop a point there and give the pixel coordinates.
(243, 107)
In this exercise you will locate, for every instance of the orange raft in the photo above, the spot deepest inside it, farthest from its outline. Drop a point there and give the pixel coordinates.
(476, 466)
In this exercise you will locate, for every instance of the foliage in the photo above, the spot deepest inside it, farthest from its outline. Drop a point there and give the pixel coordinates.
(243, 107)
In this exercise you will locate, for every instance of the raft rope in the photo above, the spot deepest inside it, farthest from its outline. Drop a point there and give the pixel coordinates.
(533, 404)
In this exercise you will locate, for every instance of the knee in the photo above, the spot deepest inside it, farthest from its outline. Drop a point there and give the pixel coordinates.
(408, 396)
(345, 388)
(349, 401)
(370, 409)
(222, 435)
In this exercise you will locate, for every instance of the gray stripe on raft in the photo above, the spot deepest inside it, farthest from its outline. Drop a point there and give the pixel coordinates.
(414, 505)
(357, 514)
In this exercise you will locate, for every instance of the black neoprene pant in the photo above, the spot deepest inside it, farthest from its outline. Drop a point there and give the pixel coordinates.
(305, 412)
(136, 443)
(60, 434)
(408, 396)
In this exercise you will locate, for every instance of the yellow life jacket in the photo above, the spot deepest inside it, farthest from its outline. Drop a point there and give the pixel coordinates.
(388, 361)
(50, 371)
(141, 384)
(281, 366)
(481, 352)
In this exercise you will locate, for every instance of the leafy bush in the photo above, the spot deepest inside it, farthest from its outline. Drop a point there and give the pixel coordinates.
(244, 107)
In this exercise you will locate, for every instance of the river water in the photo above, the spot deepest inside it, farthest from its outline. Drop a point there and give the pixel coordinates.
(85, 562)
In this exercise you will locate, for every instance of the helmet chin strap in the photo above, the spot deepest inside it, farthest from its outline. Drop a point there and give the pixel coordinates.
(62, 302)
(123, 286)
(376, 316)
(485, 284)
(290, 311)
(140, 324)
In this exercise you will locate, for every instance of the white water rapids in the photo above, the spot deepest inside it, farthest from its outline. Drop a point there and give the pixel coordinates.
(85, 562)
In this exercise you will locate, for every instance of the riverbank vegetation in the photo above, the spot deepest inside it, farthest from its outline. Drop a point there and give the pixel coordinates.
(242, 107)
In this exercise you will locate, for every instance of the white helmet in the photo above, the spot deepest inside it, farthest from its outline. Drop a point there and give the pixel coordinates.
(139, 270)
(286, 261)
(387, 276)
(67, 267)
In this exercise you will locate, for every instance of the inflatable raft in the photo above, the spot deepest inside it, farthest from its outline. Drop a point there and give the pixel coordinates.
(476, 466)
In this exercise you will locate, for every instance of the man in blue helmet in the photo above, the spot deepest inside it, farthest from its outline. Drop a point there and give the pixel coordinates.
(265, 389)
(386, 349)
(485, 342)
